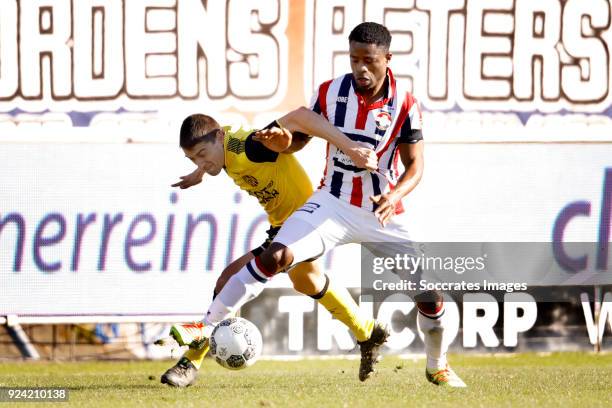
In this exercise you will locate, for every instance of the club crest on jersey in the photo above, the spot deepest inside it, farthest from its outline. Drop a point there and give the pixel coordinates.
(383, 120)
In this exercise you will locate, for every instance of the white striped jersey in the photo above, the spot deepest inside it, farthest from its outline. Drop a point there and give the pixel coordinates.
(383, 125)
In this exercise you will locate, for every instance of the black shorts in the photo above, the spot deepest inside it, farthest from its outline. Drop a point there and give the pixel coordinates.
(272, 231)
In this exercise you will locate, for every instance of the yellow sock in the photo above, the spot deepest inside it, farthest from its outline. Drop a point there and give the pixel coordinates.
(339, 302)
(196, 356)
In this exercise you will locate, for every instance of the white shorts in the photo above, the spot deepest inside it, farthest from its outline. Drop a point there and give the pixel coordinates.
(325, 222)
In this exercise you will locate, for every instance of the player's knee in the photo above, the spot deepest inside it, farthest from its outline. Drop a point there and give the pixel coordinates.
(276, 258)
(430, 302)
(307, 278)
(304, 284)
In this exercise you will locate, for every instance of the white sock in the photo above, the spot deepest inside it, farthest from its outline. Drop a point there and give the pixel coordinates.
(436, 343)
(244, 286)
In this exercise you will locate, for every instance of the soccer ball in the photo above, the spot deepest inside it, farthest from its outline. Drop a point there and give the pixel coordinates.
(235, 343)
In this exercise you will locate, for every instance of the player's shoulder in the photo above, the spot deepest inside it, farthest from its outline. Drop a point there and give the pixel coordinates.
(256, 151)
(246, 148)
(239, 133)
(235, 138)
(403, 90)
(335, 81)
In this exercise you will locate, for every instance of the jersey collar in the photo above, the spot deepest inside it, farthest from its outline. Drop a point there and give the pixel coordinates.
(389, 92)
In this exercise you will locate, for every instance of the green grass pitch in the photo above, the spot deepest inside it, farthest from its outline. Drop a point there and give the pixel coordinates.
(519, 380)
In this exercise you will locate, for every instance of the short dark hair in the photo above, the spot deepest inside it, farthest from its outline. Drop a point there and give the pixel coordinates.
(197, 128)
(371, 33)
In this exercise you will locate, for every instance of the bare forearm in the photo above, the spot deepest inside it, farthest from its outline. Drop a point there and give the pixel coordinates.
(306, 121)
(412, 158)
(298, 142)
(408, 181)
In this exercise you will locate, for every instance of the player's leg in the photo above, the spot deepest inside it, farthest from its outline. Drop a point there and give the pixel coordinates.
(305, 235)
(248, 282)
(193, 334)
(187, 334)
(308, 279)
(326, 213)
(233, 269)
(432, 321)
(431, 317)
(370, 334)
(184, 372)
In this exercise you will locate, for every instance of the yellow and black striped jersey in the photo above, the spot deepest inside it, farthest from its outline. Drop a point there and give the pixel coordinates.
(278, 181)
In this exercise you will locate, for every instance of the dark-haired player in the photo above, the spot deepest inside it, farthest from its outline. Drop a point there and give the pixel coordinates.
(252, 160)
(352, 205)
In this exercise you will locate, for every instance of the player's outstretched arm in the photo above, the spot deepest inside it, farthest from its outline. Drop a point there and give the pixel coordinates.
(306, 121)
(298, 142)
(281, 140)
(191, 179)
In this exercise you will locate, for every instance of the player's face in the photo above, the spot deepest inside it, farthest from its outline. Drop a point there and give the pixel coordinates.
(208, 155)
(369, 65)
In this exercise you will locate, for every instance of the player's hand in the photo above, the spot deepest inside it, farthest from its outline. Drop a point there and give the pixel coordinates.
(191, 179)
(274, 138)
(386, 207)
(363, 157)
